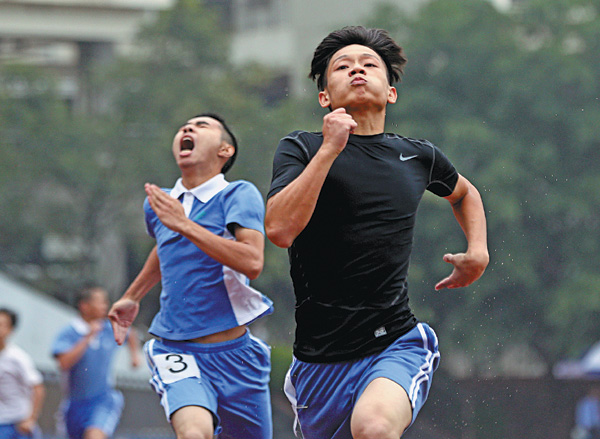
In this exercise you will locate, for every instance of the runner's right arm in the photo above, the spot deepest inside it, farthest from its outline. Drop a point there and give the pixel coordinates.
(289, 211)
(125, 310)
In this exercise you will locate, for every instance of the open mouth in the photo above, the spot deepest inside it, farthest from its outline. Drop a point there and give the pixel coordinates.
(186, 145)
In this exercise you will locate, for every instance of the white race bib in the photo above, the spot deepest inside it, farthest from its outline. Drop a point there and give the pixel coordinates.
(175, 367)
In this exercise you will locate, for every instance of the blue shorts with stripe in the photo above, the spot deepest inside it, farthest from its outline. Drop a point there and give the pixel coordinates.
(323, 395)
(102, 412)
(230, 379)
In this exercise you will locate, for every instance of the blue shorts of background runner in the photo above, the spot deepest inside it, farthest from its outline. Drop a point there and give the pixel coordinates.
(9, 431)
(230, 379)
(323, 395)
(102, 412)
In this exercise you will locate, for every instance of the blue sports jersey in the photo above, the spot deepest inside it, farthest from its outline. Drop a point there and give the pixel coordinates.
(91, 375)
(201, 296)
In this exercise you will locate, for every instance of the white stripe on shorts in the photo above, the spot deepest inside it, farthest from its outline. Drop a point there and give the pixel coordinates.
(112, 421)
(155, 381)
(290, 392)
(425, 369)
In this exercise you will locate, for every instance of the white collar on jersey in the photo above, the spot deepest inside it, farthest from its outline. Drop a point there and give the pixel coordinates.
(205, 191)
(81, 326)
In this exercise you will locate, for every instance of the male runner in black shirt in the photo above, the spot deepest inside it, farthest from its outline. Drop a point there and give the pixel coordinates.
(344, 202)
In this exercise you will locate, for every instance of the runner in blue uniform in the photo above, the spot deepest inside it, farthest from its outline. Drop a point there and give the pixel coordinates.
(85, 351)
(211, 374)
(344, 201)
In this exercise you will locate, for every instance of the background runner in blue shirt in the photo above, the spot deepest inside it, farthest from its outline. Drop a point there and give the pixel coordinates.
(212, 375)
(85, 351)
(344, 202)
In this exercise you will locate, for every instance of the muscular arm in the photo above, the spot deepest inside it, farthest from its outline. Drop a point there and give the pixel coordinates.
(289, 211)
(468, 209)
(245, 254)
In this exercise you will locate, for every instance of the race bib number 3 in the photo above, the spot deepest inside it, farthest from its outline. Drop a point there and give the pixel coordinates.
(175, 367)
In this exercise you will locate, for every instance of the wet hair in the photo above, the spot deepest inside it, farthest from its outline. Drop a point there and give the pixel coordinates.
(227, 137)
(11, 315)
(377, 39)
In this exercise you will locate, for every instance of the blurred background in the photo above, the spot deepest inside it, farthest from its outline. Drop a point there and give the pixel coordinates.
(92, 92)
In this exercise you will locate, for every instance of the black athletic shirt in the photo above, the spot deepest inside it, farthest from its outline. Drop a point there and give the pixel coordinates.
(349, 265)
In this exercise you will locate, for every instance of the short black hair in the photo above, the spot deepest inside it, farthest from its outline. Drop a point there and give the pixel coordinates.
(11, 315)
(228, 137)
(377, 39)
(86, 293)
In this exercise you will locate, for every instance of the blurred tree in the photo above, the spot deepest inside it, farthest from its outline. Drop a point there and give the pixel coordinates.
(26, 112)
(186, 73)
(512, 100)
(62, 205)
(79, 218)
(90, 168)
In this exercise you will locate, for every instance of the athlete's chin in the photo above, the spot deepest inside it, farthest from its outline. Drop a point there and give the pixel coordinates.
(185, 163)
(363, 105)
(363, 100)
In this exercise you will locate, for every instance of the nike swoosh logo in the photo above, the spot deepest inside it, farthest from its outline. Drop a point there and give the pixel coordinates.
(403, 159)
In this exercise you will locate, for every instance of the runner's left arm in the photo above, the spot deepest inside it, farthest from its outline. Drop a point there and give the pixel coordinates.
(469, 212)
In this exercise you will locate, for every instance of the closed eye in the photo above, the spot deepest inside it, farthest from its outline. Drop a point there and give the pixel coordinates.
(198, 124)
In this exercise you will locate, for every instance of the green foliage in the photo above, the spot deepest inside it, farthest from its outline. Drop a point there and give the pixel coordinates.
(31, 119)
(512, 99)
(189, 35)
(281, 357)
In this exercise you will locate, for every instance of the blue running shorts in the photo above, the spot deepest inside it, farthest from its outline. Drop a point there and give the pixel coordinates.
(9, 431)
(230, 379)
(102, 412)
(323, 395)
